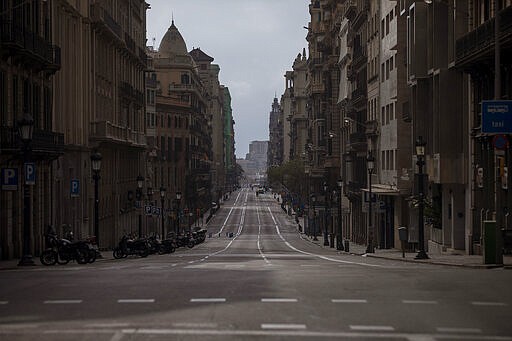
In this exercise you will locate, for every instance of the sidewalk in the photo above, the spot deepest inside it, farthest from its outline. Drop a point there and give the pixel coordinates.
(449, 259)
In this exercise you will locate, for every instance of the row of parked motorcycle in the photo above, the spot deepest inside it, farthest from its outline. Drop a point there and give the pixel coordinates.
(142, 247)
(63, 250)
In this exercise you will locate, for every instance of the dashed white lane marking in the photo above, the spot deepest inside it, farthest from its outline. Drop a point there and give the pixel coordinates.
(348, 300)
(458, 330)
(372, 328)
(310, 265)
(279, 300)
(259, 237)
(282, 326)
(419, 302)
(62, 301)
(136, 300)
(207, 300)
(194, 325)
(4, 302)
(490, 304)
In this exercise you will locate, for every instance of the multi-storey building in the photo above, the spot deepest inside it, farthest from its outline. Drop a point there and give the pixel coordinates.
(29, 59)
(182, 139)
(296, 85)
(209, 74)
(229, 140)
(275, 145)
(479, 44)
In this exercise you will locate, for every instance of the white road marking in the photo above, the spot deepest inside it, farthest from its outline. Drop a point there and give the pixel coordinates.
(311, 265)
(282, 326)
(419, 302)
(4, 302)
(62, 301)
(372, 328)
(259, 236)
(207, 300)
(315, 255)
(348, 300)
(458, 330)
(136, 300)
(491, 304)
(279, 300)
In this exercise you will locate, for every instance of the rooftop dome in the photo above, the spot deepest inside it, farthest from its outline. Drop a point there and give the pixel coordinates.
(172, 43)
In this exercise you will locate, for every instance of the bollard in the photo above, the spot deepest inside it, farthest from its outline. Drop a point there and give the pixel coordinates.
(346, 245)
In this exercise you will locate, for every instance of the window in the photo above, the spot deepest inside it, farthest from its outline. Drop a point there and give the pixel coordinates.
(185, 79)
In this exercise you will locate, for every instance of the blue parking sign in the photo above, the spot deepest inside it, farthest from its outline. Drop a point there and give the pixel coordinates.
(30, 173)
(9, 179)
(75, 188)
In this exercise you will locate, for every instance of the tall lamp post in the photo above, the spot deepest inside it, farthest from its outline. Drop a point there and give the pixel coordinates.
(339, 236)
(420, 154)
(140, 183)
(26, 128)
(313, 200)
(96, 167)
(370, 163)
(162, 200)
(326, 220)
(178, 201)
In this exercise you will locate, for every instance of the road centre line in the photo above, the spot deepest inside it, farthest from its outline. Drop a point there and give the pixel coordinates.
(207, 300)
(458, 330)
(313, 254)
(259, 236)
(62, 301)
(282, 326)
(136, 300)
(419, 302)
(279, 300)
(490, 304)
(108, 325)
(372, 328)
(348, 300)
(195, 325)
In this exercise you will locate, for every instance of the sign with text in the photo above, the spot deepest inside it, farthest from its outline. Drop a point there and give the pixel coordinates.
(75, 188)
(497, 117)
(30, 173)
(9, 179)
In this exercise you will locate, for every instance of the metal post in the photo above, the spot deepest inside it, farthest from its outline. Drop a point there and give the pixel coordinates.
(370, 164)
(163, 218)
(326, 215)
(96, 178)
(26, 258)
(420, 152)
(339, 237)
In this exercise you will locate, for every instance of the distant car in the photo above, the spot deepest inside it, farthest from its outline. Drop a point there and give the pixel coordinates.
(260, 191)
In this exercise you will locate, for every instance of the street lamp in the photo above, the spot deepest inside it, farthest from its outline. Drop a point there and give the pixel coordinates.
(96, 167)
(140, 183)
(326, 196)
(162, 200)
(339, 237)
(420, 154)
(26, 128)
(313, 200)
(370, 162)
(178, 200)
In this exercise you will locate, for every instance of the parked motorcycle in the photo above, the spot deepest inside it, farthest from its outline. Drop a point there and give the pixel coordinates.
(154, 244)
(185, 240)
(129, 247)
(62, 251)
(168, 245)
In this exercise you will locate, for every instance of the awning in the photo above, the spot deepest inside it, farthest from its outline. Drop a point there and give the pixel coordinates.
(383, 190)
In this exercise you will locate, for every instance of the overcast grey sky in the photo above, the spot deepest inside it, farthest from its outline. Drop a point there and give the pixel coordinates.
(253, 41)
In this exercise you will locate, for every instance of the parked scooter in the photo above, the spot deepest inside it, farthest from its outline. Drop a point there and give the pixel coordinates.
(185, 240)
(129, 246)
(63, 250)
(168, 245)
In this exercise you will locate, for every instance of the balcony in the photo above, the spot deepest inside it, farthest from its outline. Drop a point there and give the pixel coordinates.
(104, 21)
(478, 44)
(110, 132)
(46, 145)
(28, 46)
